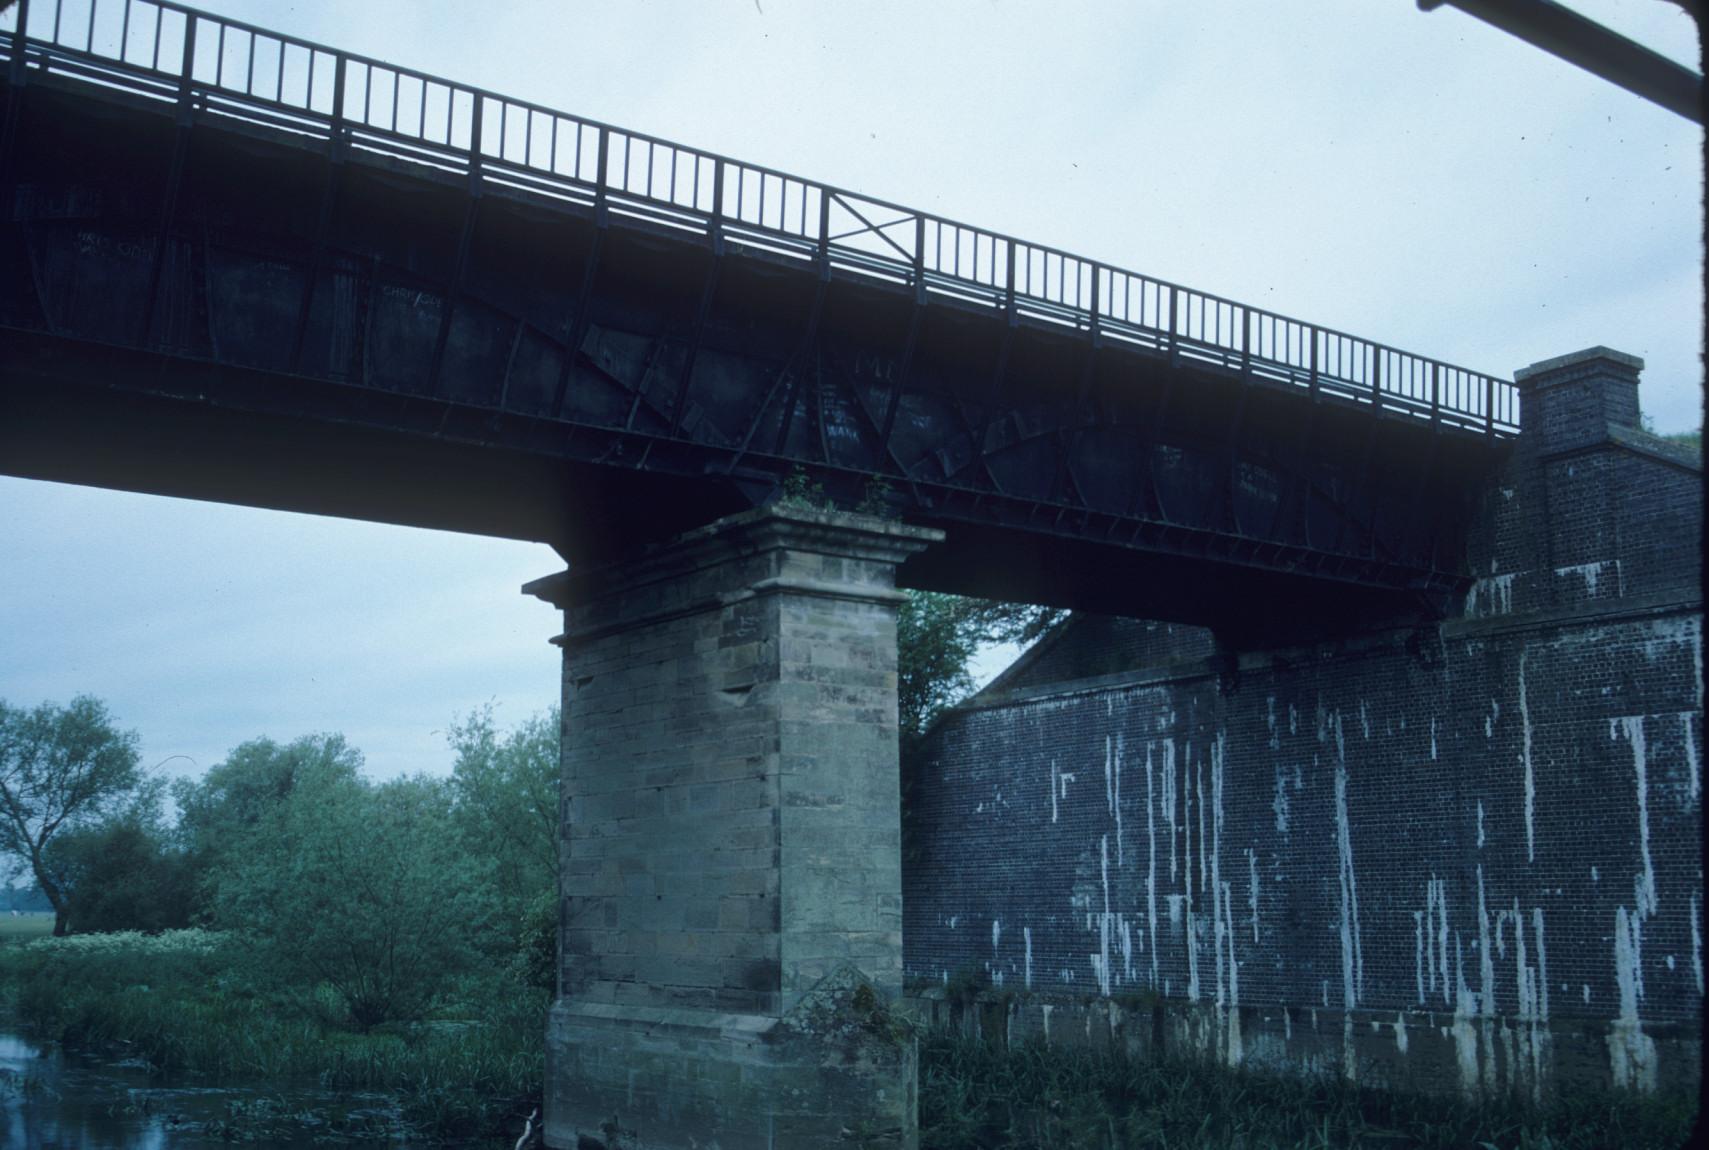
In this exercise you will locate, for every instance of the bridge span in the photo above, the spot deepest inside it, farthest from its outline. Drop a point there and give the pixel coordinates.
(244, 267)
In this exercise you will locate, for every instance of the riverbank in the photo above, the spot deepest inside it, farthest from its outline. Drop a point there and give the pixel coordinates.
(180, 1005)
(178, 1008)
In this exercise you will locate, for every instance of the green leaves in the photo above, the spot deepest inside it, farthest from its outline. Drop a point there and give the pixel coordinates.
(60, 768)
(937, 635)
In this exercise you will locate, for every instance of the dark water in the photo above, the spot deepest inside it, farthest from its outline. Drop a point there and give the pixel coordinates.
(54, 1101)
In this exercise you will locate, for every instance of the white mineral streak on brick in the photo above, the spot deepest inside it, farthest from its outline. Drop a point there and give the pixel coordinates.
(1442, 931)
(1465, 1034)
(1252, 888)
(1591, 574)
(1400, 1031)
(1364, 719)
(1633, 726)
(1101, 960)
(1126, 932)
(1168, 799)
(1693, 782)
(1109, 775)
(996, 935)
(1199, 797)
(1270, 722)
(1433, 740)
(1053, 790)
(1116, 805)
(1480, 824)
(1044, 1011)
(1418, 951)
(1279, 804)
(1525, 758)
(1352, 954)
(1631, 1052)
(1586, 993)
(1542, 964)
(1697, 941)
(1490, 596)
(1150, 866)
(1027, 937)
(1293, 720)
(1486, 960)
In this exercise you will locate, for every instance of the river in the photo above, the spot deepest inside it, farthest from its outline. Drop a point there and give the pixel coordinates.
(50, 1100)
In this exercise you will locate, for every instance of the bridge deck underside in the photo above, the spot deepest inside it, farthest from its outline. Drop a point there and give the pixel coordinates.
(216, 309)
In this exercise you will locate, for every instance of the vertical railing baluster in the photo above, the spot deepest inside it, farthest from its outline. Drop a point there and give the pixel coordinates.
(1435, 393)
(1314, 337)
(1009, 283)
(919, 257)
(475, 134)
(824, 228)
(1173, 345)
(20, 45)
(184, 84)
(601, 161)
(1489, 405)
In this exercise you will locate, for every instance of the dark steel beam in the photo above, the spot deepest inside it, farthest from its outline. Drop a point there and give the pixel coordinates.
(1600, 51)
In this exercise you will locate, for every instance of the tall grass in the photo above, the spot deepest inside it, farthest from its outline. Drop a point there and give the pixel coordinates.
(181, 1002)
(973, 1095)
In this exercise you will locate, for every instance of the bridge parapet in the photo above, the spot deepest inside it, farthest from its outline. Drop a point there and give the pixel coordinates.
(171, 52)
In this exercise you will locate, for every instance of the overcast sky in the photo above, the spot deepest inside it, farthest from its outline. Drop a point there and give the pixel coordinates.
(1420, 179)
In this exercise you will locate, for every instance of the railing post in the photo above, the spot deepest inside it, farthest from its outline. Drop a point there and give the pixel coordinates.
(184, 81)
(599, 190)
(20, 45)
(920, 258)
(1314, 336)
(475, 135)
(1173, 340)
(1435, 393)
(338, 92)
(1246, 340)
(1093, 327)
(1376, 379)
(824, 235)
(1489, 406)
(1009, 284)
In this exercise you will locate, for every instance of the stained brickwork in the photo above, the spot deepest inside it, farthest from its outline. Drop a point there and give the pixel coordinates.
(1483, 835)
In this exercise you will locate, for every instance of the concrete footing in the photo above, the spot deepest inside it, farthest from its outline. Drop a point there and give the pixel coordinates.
(731, 938)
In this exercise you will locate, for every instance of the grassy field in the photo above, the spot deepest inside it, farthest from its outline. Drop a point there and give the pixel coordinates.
(24, 928)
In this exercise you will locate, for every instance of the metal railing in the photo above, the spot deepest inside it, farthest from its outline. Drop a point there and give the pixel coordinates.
(178, 54)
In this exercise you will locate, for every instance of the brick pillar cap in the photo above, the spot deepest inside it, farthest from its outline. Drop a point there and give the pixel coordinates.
(1575, 359)
(776, 525)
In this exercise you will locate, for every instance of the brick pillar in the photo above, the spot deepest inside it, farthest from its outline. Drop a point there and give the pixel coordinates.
(731, 921)
(1571, 400)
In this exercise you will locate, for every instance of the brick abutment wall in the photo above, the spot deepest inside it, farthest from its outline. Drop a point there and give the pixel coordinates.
(1465, 857)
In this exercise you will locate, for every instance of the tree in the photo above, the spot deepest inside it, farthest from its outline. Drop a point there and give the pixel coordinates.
(60, 768)
(506, 789)
(937, 635)
(124, 873)
(359, 888)
(218, 811)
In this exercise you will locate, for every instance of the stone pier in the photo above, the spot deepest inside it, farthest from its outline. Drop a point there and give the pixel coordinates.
(731, 917)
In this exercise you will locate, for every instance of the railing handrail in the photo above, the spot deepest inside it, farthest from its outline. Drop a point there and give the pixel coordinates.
(1489, 407)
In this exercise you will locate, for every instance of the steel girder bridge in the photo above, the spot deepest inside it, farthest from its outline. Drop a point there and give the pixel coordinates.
(244, 267)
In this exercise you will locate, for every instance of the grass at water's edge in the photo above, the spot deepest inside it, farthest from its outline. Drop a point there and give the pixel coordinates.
(973, 1095)
(469, 1077)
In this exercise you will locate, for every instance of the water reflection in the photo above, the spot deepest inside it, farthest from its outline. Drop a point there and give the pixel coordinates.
(51, 1101)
